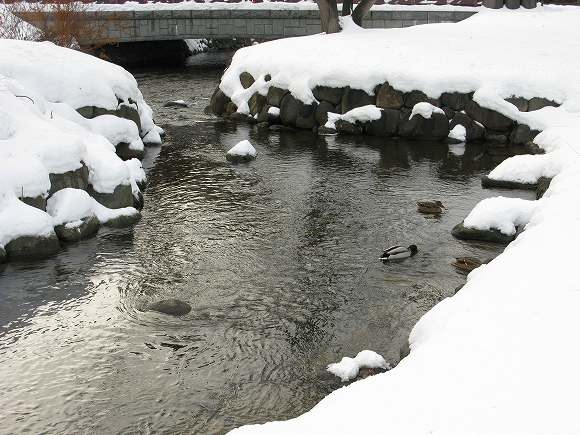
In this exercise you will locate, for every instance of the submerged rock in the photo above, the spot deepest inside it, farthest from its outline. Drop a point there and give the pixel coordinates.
(85, 228)
(490, 183)
(32, 247)
(462, 232)
(171, 307)
(176, 103)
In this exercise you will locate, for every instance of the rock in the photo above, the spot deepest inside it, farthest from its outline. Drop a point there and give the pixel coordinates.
(346, 127)
(492, 235)
(473, 130)
(171, 307)
(121, 197)
(242, 117)
(455, 100)
(449, 112)
(295, 113)
(207, 110)
(138, 201)
(77, 179)
(436, 127)
(256, 103)
(36, 201)
(123, 221)
(404, 350)
(123, 110)
(415, 97)
(520, 102)
(127, 153)
(246, 79)
(178, 104)
(275, 95)
(218, 102)
(489, 118)
(3, 256)
(26, 247)
(512, 4)
(493, 4)
(353, 98)
(490, 183)
(230, 108)
(387, 125)
(321, 115)
(529, 4)
(389, 98)
(87, 228)
(267, 77)
(521, 135)
(325, 131)
(543, 185)
(538, 103)
(496, 138)
(330, 95)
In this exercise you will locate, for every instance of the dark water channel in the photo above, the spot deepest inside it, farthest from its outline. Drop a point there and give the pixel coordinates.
(277, 257)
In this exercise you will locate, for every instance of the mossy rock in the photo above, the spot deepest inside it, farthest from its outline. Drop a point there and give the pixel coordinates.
(32, 247)
(462, 232)
(123, 221)
(88, 228)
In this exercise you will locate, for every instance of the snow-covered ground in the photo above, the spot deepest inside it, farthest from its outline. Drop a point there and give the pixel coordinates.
(499, 357)
(42, 134)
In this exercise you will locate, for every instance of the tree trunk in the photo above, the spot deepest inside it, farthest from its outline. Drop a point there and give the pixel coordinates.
(328, 15)
(361, 10)
(347, 7)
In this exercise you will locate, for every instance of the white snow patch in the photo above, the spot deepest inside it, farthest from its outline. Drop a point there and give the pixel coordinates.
(426, 110)
(243, 148)
(348, 368)
(500, 213)
(274, 111)
(458, 133)
(360, 114)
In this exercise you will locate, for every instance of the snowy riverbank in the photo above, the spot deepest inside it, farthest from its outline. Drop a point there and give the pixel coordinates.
(46, 146)
(497, 357)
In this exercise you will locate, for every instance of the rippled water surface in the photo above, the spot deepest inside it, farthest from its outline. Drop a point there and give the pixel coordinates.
(277, 257)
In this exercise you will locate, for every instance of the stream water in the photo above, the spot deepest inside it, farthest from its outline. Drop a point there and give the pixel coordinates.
(278, 258)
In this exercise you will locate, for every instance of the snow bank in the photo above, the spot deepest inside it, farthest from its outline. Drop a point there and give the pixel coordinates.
(474, 365)
(348, 368)
(243, 149)
(500, 213)
(62, 75)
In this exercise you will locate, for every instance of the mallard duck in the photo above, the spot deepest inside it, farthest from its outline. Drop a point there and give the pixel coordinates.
(430, 207)
(398, 252)
(466, 264)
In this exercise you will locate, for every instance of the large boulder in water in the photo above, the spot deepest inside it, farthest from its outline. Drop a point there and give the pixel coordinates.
(489, 118)
(171, 307)
(425, 122)
(76, 231)
(493, 235)
(26, 247)
(121, 197)
(242, 152)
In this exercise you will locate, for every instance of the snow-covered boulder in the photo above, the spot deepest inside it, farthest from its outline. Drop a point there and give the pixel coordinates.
(242, 152)
(425, 121)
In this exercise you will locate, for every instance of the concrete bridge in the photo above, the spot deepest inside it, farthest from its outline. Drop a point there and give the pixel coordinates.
(131, 26)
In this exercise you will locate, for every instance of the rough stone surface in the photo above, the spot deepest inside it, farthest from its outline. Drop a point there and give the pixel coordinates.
(415, 97)
(89, 227)
(307, 116)
(295, 113)
(489, 183)
(436, 127)
(256, 103)
(387, 125)
(331, 95)
(463, 233)
(455, 100)
(473, 130)
(521, 135)
(218, 102)
(230, 108)
(543, 185)
(36, 201)
(127, 153)
(172, 307)
(489, 118)
(246, 79)
(322, 110)
(449, 112)
(275, 95)
(389, 98)
(121, 197)
(26, 247)
(538, 103)
(353, 98)
(346, 127)
(123, 221)
(493, 4)
(77, 179)
(512, 4)
(520, 102)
